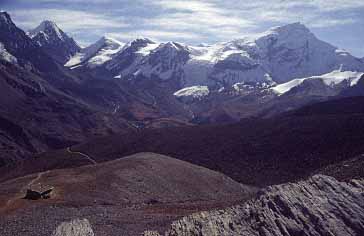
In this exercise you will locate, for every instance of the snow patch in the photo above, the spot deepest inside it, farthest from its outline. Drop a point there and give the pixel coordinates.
(149, 48)
(330, 79)
(193, 91)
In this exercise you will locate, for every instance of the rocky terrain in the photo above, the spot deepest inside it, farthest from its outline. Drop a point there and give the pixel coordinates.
(74, 228)
(80, 129)
(319, 206)
(121, 197)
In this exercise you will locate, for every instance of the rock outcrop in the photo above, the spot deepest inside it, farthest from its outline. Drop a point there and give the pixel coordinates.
(319, 206)
(74, 228)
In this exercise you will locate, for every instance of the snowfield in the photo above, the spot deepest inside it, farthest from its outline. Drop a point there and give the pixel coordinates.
(96, 54)
(196, 92)
(331, 79)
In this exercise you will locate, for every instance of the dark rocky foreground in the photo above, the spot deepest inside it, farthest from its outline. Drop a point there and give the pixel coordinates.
(319, 206)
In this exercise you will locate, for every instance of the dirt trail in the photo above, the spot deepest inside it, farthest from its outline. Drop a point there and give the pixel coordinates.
(83, 155)
(13, 203)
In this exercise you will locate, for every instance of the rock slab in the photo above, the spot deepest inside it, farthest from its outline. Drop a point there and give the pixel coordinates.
(318, 206)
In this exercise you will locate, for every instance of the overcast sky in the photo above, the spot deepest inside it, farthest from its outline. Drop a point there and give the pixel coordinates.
(340, 22)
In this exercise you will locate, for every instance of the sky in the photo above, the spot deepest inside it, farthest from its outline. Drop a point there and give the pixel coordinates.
(339, 22)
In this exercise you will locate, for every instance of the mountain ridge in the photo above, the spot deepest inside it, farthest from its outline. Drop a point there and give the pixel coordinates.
(269, 57)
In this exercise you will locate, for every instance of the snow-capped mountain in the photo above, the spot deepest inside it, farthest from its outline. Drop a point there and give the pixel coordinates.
(96, 54)
(54, 41)
(276, 56)
(24, 49)
(327, 84)
(130, 57)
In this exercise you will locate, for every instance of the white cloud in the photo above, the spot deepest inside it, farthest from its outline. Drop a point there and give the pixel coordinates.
(201, 17)
(69, 20)
(156, 35)
(324, 23)
(190, 21)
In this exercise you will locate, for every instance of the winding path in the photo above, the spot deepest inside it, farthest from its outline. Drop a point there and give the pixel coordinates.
(83, 155)
(22, 191)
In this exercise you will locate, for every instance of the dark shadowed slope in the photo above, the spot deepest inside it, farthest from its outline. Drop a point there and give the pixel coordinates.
(121, 197)
(254, 151)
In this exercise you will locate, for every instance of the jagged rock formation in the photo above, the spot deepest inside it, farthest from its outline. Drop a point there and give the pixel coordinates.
(319, 206)
(74, 228)
(27, 53)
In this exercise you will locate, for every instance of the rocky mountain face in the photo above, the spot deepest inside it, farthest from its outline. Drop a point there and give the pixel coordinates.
(319, 206)
(6, 56)
(42, 105)
(19, 45)
(54, 41)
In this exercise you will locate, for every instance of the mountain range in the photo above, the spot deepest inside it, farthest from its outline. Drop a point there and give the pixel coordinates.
(136, 135)
(112, 86)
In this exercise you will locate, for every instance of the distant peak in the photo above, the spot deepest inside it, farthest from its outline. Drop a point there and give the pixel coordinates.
(110, 40)
(142, 40)
(172, 45)
(46, 27)
(48, 23)
(5, 17)
(295, 35)
(4, 13)
(297, 26)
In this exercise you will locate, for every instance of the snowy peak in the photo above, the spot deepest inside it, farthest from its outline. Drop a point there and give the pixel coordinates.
(275, 56)
(54, 41)
(96, 54)
(291, 36)
(291, 28)
(18, 44)
(107, 42)
(49, 29)
(141, 40)
(139, 43)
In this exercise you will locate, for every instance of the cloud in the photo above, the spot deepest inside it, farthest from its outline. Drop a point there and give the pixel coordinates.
(189, 21)
(69, 20)
(156, 35)
(204, 18)
(324, 23)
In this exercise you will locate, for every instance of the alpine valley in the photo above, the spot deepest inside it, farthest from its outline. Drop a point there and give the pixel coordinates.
(252, 136)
